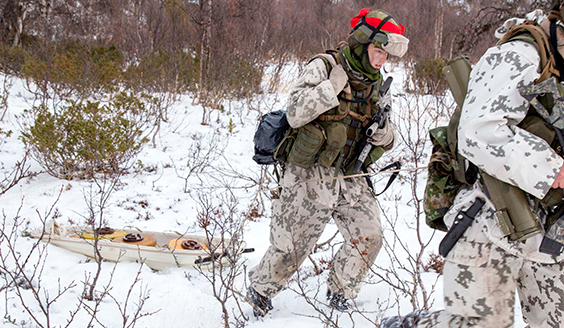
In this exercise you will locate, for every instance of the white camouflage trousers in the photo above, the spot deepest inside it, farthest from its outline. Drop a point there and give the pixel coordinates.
(479, 289)
(296, 225)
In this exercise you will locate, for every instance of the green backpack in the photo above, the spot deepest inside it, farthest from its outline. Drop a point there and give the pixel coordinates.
(448, 171)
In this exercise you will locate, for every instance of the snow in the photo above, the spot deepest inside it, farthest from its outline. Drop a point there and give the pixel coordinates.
(158, 196)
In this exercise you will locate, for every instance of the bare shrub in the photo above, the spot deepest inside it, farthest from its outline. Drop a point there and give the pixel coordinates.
(22, 272)
(224, 228)
(163, 71)
(20, 171)
(427, 77)
(404, 274)
(435, 263)
(201, 154)
(130, 309)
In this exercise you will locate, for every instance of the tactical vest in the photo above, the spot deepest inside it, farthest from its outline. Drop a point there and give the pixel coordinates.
(332, 139)
(448, 170)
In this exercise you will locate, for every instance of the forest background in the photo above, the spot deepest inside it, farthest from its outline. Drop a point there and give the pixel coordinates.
(86, 84)
(219, 48)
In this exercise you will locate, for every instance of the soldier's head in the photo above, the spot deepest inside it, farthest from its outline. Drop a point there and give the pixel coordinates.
(374, 35)
(380, 29)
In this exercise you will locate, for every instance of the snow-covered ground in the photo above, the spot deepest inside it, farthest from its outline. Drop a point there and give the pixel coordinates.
(158, 195)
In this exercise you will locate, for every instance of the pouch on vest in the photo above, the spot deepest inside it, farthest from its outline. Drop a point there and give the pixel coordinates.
(307, 144)
(270, 132)
(336, 139)
(281, 152)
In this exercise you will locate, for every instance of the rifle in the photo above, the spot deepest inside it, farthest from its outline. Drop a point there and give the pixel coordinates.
(377, 121)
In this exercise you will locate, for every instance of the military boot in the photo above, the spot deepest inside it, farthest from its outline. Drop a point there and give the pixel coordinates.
(408, 321)
(337, 302)
(261, 304)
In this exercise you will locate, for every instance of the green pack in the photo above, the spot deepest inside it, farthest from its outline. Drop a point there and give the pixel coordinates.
(448, 171)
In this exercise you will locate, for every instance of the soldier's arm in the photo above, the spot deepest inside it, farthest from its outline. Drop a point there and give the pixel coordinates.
(311, 96)
(488, 131)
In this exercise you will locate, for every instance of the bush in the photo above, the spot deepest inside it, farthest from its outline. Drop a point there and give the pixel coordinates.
(236, 77)
(245, 79)
(11, 59)
(81, 140)
(71, 68)
(163, 71)
(427, 77)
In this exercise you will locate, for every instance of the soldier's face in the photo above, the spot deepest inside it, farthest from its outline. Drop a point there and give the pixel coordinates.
(377, 56)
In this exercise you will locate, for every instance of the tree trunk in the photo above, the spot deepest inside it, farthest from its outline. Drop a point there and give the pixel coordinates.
(13, 17)
(205, 52)
(439, 31)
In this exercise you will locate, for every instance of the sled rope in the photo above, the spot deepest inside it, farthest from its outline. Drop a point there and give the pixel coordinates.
(366, 174)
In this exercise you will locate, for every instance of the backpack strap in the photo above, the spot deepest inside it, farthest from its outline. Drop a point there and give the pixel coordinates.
(328, 58)
(331, 59)
(542, 43)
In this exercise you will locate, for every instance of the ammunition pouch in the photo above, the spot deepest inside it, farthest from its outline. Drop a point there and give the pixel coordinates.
(336, 140)
(308, 142)
(281, 152)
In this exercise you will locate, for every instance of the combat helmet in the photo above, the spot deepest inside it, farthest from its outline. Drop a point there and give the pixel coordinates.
(381, 29)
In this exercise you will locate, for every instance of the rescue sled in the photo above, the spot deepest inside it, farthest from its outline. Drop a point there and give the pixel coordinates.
(158, 250)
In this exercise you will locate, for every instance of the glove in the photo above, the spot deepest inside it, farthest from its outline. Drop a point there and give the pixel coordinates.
(338, 78)
(385, 100)
(383, 137)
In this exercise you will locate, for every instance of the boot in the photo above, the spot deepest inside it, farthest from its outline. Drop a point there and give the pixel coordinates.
(261, 304)
(408, 321)
(337, 302)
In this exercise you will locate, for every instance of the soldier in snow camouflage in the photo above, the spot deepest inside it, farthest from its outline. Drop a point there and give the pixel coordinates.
(483, 270)
(299, 216)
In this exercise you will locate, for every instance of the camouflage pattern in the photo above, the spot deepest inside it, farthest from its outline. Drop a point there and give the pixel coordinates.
(548, 87)
(479, 289)
(489, 135)
(483, 269)
(409, 320)
(441, 187)
(556, 231)
(312, 95)
(303, 210)
(298, 219)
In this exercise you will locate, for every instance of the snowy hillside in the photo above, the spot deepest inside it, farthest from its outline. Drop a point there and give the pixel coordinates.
(160, 193)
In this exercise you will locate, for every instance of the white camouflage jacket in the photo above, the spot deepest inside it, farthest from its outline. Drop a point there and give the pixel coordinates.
(490, 138)
(311, 96)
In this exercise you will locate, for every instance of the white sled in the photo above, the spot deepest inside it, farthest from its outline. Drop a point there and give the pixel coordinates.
(161, 250)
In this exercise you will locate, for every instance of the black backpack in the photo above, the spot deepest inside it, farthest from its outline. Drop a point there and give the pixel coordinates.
(270, 131)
